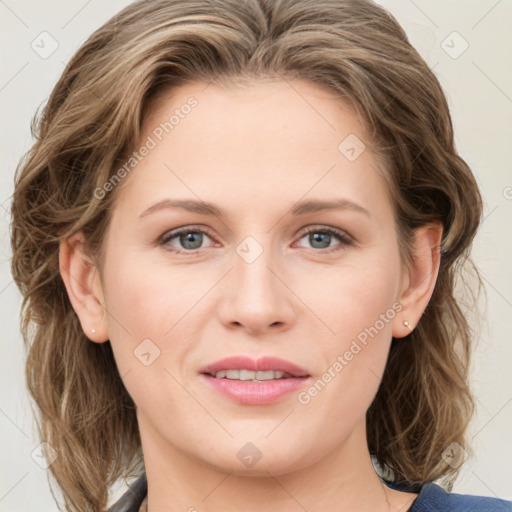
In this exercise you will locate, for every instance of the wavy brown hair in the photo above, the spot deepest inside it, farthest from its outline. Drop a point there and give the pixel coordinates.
(93, 120)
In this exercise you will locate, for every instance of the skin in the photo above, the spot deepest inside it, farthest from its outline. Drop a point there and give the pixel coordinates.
(253, 151)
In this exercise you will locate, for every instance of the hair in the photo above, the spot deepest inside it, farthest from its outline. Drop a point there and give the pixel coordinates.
(93, 120)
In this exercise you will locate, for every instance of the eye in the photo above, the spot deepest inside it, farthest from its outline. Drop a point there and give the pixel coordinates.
(189, 238)
(321, 238)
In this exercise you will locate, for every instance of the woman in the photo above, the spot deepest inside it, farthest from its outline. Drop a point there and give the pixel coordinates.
(237, 237)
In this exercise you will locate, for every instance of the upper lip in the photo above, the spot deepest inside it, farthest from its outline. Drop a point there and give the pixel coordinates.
(257, 365)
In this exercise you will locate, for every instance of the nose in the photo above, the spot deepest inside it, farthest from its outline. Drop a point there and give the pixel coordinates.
(255, 296)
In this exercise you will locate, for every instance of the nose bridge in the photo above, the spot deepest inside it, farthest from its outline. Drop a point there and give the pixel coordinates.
(256, 283)
(256, 298)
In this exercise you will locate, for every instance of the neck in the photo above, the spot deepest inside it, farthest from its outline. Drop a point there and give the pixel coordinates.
(344, 480)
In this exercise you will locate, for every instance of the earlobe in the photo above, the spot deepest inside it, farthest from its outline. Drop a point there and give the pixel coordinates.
(421, 278)
(83, 284)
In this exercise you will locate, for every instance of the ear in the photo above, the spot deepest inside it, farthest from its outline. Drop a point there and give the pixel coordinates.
(82, 279)
(420, 278)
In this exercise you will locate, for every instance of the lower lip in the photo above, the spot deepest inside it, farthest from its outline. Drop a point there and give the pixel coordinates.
(256, 393)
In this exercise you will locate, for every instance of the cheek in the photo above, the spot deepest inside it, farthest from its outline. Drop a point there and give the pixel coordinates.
(354, 362)
(155, 315)
(352, 297)
(148, 299)
(149, 316)
(359, 308)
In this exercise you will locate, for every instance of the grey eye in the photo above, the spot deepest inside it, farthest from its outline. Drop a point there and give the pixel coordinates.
(319, 239)
(188, 239)
(191, 240)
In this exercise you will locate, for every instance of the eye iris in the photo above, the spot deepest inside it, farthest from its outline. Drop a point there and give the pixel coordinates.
(193, 237)
(192, 240)
(323, 238)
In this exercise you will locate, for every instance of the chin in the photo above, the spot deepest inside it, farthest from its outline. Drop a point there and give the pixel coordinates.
(249, 461)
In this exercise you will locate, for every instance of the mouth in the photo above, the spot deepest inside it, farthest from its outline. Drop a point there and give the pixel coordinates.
(259, 376)
(254, 382)
(245, 368)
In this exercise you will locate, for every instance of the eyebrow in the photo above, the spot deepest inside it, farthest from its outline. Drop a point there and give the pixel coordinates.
(301, 208)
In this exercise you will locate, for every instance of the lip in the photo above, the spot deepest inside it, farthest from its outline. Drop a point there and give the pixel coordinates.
(255, 393)
(256, 365)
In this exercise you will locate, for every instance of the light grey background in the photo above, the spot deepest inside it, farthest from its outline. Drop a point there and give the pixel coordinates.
(478, 83)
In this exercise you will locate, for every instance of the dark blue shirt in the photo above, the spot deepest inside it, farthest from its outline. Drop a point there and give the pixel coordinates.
(433, 498)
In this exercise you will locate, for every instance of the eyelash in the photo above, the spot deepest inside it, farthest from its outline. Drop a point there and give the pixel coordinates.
(345, 239)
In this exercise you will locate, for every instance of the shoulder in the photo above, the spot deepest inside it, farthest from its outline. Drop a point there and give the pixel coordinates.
(433, 498)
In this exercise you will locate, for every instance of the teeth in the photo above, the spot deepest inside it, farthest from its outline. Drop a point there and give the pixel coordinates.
(250, 375)
(245, 375)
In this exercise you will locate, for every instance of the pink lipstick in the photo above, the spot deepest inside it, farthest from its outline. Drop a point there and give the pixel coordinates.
(254, 382)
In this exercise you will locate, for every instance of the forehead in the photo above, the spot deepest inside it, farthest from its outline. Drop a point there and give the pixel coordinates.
(273, 139)
(258, 108)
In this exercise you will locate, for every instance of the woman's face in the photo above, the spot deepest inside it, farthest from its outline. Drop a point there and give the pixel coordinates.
(255, 168)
